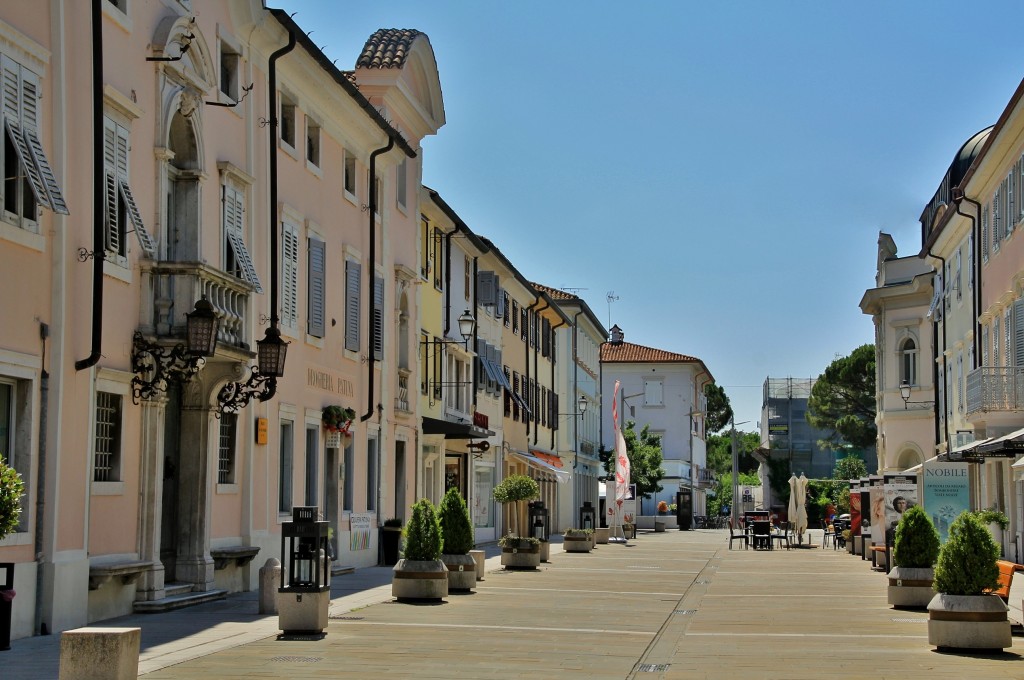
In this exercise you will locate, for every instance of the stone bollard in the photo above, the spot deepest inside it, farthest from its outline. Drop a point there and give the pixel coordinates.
(270, 581)
(479, 556)
(100, 653)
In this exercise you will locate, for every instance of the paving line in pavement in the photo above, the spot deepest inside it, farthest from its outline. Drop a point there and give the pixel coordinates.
(628, 571)
(600, 592)
(830, 596)
(479, 627)
(856, 636)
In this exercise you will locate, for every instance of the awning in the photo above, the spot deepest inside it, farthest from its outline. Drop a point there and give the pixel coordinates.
(967, 453)
(1007, 446)
(1018, 470)
(453, 430)
(548, 458)
(536, 463)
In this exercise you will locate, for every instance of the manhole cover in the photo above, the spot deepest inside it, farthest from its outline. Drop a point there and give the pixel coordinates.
(652, 667)
(910, 620)
(296, 659)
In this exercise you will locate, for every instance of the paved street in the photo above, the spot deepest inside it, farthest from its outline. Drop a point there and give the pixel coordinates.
(671, 605)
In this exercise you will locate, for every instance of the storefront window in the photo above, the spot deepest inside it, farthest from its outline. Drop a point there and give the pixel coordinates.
(483, 502)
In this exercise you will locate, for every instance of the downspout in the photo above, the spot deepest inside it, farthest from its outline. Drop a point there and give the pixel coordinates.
(40, 481)
(271, 388)
(98, 188)
(372, 276)
(551, 358)
(475, 377)
(536, 366)
(959, 196)
(935, 355)
(575, 388)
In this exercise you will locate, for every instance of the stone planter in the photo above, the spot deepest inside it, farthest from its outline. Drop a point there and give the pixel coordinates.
(601, 534)
(593, 540)
(968, 622)
(659, 526)
(849, 545)
(461, 572)
(545, 551)
(910, 587)
(576, 544)
(419, 580)
(523, 556)
(858, 545)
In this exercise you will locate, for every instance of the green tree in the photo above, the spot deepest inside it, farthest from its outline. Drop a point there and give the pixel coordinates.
(719, 412)
(723, 490)
(456, 526)
(513, 490)
(11, 489)
(719, 451)
(423, 541)
(644, 451)
(843, 400)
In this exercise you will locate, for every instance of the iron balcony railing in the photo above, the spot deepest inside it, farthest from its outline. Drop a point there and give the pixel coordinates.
(995, 388)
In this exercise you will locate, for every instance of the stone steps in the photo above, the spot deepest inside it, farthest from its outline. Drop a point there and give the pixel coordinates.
(179, 600)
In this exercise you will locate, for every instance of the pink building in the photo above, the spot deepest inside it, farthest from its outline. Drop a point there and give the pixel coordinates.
(153, 485)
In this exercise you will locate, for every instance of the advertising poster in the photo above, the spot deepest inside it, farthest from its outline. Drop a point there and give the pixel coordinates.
(855, 507)
(900, 495)
(877, 495)
(946, 494)
(359, 524)
(865, 508)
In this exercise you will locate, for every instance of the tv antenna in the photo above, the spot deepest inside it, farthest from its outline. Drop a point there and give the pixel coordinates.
(612, 297)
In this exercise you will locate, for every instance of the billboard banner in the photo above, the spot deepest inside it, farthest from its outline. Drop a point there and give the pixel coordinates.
(900, 495)
(946, 493)
(855, 507)
(877, 495)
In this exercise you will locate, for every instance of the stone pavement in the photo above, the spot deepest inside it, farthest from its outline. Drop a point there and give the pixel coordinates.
(670, 605)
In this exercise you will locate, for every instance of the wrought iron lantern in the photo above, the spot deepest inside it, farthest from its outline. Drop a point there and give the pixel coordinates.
(466, 325)
(155, 365)
(262, 383)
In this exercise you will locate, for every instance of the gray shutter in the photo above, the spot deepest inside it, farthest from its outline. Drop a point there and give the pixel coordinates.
(353, 277)
(317, 281)
(24, 154)
(1018, 332)
(290, 275)
(145, 240)
(485, 288)
(481, 368)
(113, 240)
(378, 318)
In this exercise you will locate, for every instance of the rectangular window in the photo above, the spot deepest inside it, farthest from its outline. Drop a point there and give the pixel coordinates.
(317, 287)
(984, 346)
(524, 322)
(515, 317)
(312, 142)
(350, 174)
(371, 474)
(15, 424)
(997, 222)
(226, 448)
(285, 467)
(237, 260)
(347, 473)
(353, 281)
(287, 120)
(970, 260)
(29, 181)
(995, 341)
(312, 461)
(402, 182)
(230, 62)
(654, 392)
(378, 318)
(107, 442)
(122, 214)
(506, 312)
(289, 276)
(515, 400)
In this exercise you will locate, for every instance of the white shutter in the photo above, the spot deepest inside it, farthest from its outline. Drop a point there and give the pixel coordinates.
(245, 264)
(984, 345)
(290, 275)
(11, 87)
(145, 240)
(113, 241)
(1018, 332)
(21, 148)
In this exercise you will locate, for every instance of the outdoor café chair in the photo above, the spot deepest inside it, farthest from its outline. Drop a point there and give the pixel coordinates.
(784, 533)
(829, 535)
(740, 536)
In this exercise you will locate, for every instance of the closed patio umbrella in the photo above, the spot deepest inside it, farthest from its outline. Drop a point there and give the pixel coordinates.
(801, 505)
(792, 499)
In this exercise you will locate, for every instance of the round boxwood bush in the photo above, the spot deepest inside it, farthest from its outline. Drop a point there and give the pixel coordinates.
(967, 562)
(11, 489)
(456, 526)
(423, 541)
(917, 541)
(514, 489)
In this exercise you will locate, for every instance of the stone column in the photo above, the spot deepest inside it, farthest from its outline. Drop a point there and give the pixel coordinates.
(151, 583)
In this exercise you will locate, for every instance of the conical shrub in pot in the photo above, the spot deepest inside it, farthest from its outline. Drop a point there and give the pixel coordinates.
(963, 615)
(420, 574)
(457, 535)
(915, 549)
(11, 489)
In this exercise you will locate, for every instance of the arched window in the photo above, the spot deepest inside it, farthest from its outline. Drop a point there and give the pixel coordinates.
(908, 361)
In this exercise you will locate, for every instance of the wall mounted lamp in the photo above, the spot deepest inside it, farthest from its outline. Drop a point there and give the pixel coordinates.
(905, 395)
(154, 364)
(581, 407)
(271, 352)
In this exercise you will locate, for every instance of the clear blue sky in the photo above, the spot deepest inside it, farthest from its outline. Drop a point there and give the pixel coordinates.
(724, 167)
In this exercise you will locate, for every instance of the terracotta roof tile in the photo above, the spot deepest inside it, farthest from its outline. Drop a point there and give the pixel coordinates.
(387, 48)
(350, 76)
(554, 293)
(627, 352)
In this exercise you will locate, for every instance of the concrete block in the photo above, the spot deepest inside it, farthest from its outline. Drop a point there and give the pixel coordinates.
(480, 556)
(303, 612)
(270, 581)
(100, 654)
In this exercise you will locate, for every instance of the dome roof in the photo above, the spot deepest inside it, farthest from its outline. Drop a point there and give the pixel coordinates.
(966, 155)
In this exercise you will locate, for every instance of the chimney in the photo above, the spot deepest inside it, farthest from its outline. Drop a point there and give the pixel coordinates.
(616, 335)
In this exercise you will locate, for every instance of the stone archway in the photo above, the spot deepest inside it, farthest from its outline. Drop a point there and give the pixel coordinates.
(908, 457)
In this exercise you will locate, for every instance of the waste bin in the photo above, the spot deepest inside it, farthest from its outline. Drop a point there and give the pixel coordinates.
(6, 603)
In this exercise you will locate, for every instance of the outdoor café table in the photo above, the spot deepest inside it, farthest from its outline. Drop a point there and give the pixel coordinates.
(762, 534)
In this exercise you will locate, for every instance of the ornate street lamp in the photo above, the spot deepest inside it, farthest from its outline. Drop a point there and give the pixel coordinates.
(262, 383)
(155, 365)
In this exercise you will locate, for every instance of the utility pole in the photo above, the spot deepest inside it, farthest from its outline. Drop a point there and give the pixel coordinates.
(735, 478)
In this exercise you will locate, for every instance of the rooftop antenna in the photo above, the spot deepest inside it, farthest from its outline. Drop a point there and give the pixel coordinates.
(612, 297)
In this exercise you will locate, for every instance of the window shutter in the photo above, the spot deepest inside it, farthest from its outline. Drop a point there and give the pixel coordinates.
(317, 281)
(113, 240)
(11, 87)
(499, 310)
(485, 288)
(481, 369)
(289, 275)
(21, 149)
(145, 240)
(353, 277)
(546, 338)
(984, 345)
(1018, 332)
(378, 318)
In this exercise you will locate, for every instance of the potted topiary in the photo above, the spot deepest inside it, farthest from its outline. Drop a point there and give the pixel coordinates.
(963, 614)
(915, 549)
(391, 539)
(457, 532)
(420, 574)
(517, 551)
(11, 489)
(576, 541)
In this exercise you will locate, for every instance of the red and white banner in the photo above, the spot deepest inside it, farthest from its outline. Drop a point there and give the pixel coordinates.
(621, 457)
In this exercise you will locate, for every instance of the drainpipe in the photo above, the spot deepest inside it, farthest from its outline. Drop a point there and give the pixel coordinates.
(935, 354)
(575, 388)
(98, 188)
(272, 105)
(551, 358)
(40, 523)
(958, 196)
(476, 332)
(372, 307)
